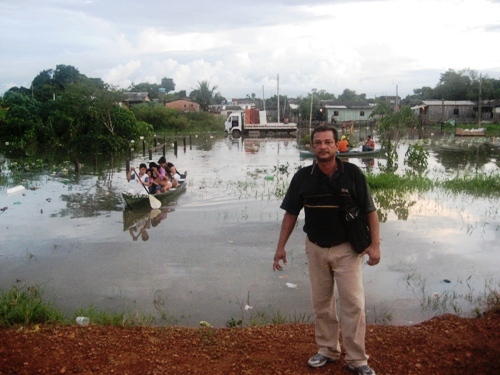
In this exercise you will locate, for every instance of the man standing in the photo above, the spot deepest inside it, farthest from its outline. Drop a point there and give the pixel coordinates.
(331, 258)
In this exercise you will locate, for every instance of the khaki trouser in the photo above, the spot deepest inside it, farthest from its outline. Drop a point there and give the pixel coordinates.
(342, 265)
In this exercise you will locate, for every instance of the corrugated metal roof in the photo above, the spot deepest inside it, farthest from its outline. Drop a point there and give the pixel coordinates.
(447, 102)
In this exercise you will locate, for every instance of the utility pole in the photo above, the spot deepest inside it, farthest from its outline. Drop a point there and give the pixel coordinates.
(278, 89)
(479, 106)
(311, 112)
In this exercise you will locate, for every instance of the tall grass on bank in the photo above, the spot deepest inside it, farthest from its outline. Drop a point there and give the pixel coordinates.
(478, 185)
(407, 183)
(25, 306)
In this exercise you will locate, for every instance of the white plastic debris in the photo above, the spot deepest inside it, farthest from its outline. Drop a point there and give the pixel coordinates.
(290, 285)
(15, 189)
(248, 307)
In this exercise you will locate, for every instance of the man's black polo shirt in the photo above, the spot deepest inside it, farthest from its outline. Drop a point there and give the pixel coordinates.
(314, 191)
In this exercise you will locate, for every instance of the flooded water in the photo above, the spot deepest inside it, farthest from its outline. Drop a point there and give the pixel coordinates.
(208, 255)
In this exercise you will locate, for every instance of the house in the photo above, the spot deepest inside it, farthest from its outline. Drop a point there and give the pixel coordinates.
(132, 98)
(394, 102)
(183, 105)
(245, 103)
(490, 110)
(444, 110)
(356, 111)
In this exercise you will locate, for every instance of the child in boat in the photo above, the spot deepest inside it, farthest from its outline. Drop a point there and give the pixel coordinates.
(171, 170)
(143, 178)
(160, 177)
(369, 144)
(153, 187)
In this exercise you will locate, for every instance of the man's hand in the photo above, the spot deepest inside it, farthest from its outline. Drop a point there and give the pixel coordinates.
(373, 252)
(279, 255)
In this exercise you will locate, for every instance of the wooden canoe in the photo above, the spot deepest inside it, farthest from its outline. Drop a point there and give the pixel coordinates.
(141, 200)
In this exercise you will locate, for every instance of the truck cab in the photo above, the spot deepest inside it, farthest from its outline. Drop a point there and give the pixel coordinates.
(234, 124)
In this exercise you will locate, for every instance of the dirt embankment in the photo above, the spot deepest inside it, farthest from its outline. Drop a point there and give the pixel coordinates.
(443, 345)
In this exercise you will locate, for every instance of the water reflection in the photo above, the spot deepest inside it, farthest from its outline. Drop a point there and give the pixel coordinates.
(463, 155)
(391, 200)
(139, 222)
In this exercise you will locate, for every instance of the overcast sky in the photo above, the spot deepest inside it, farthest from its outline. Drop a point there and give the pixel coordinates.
(371, 47)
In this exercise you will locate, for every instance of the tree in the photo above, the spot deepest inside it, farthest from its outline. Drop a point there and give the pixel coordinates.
(383, 108)
(453, 86)
(219, 99)
(168, 84)
(348, 96)
(65, 75)
(151, 88)
(21, 123)
(203, 95)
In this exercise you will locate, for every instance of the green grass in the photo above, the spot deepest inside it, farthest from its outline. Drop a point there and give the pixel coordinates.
(479, 185)
(26, 306)
(117, 319)
(407, 183)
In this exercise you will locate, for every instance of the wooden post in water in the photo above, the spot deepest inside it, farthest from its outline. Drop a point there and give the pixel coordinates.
(155, 141)
(164, 148)
(175, 148)
(77, 167)
(127, 166)
(190, 142)
(143, 147)
(150, 154)
(184, 142)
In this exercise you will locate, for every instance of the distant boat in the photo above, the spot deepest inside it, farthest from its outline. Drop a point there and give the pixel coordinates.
(351, 154)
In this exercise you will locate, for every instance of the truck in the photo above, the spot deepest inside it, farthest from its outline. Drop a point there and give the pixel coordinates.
(254, 122)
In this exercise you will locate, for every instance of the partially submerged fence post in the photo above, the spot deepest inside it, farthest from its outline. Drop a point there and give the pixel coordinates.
(175, 148)
(150, 154)
(143, 147)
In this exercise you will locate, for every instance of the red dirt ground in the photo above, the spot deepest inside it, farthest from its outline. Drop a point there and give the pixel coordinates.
(443, 345)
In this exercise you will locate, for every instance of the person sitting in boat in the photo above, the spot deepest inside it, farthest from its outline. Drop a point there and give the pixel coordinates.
(369, 144)
(153, 187)
(143, 178)
(160, 177)
(170, 168)
(343, 145)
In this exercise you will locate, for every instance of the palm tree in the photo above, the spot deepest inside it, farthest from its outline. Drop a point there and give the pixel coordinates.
(203, 94)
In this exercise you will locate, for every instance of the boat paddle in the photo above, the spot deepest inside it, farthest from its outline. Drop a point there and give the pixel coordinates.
(153, 201)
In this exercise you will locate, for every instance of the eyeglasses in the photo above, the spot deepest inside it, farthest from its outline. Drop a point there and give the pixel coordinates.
(327, 143)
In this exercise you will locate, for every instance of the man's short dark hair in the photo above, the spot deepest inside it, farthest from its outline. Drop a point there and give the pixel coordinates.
(143, 165)
(162, 160)
(325, 128)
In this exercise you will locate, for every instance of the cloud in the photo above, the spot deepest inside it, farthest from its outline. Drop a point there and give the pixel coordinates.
(367, 46)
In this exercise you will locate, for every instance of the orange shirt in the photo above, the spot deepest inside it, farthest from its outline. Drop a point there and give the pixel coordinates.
(343, 145)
